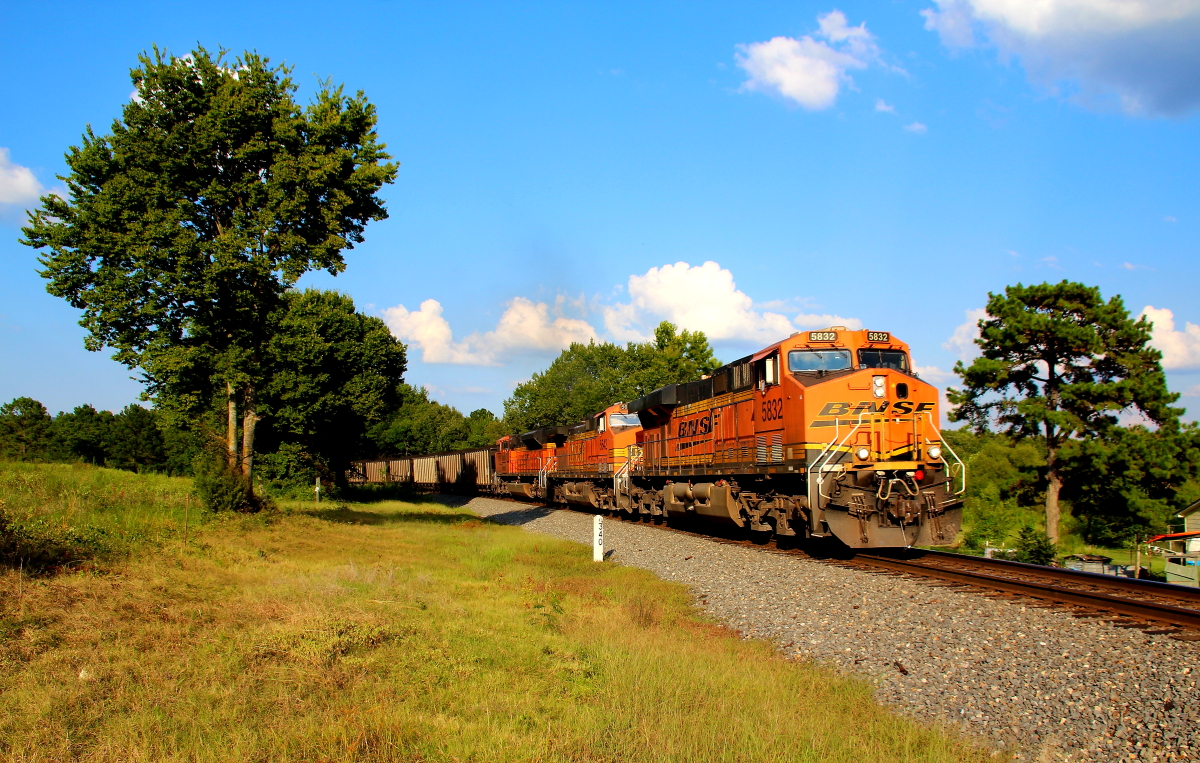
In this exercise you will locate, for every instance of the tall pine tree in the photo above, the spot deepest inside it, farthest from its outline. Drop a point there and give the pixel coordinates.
(1060, 362)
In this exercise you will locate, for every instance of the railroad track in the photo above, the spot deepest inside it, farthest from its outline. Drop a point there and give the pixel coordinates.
(1135, 603)
(1144, 601)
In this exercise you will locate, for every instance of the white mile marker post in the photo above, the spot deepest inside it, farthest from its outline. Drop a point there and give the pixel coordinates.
(597, 538)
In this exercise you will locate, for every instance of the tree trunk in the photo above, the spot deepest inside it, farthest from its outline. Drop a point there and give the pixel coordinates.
(249, 420)
(1052, 491)
(231, 426)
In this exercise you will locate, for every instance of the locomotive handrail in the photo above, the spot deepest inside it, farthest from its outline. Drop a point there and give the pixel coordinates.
(827, 454)
(962, 466)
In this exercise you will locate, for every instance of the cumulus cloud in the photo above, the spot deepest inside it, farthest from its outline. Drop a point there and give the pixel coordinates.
(1143, 56)
(698, 298)
(917, 127)
(882, 105)
(1180, 349)
(825, 320)
(962, 341)
(428, 330)
(525, 326)
(18, 185)
(808, 71)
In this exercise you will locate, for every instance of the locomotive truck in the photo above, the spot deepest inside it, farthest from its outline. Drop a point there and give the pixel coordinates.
(826, 434)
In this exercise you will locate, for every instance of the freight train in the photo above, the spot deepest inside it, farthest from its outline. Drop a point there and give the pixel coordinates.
(826, 434)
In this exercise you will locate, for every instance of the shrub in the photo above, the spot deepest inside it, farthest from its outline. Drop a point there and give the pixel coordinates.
(1034, 547)
(221, 487)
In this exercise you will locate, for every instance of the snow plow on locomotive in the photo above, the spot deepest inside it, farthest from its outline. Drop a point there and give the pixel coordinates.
(826, 434)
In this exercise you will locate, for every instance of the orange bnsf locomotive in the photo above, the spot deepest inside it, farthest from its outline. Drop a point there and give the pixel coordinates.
(827, 433)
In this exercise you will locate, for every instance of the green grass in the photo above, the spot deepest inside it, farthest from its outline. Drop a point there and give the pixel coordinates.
(404, 632)
(62, 514)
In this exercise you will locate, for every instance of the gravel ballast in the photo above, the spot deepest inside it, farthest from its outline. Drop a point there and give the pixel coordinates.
(1037, 681)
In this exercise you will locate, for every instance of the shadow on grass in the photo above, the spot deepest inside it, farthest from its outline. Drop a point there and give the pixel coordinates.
(347, 516)
(523, 515)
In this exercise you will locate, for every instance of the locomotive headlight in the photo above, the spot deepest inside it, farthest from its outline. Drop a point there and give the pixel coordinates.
(934, 452)
(879, 386)
(863, 454)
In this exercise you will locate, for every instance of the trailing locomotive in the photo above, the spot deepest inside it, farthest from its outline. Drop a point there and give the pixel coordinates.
(827, 433)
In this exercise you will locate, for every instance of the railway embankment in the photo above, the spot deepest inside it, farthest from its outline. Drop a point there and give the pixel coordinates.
(1040, 681)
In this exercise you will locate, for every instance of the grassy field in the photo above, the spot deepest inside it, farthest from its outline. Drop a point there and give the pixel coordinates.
(406, 632)
(64, 514)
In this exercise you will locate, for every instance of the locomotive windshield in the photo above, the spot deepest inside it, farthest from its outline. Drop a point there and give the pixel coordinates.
(620, 422)
(802, 361)
(882, 359)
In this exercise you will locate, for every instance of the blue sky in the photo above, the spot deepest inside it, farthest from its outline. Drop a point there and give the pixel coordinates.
(571, 171)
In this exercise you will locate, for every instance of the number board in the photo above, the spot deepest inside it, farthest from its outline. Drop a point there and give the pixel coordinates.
(878, 336)
(822, 336)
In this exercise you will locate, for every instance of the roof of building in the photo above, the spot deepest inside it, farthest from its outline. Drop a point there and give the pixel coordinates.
(1192, 509)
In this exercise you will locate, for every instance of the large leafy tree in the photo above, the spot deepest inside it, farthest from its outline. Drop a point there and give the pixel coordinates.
(1059, 362)
(586, 378)
(185, 225)
(332, 374)
(1132, 481)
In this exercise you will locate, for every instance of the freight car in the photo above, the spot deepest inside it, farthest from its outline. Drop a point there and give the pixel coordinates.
(826, 434)
(457, 471)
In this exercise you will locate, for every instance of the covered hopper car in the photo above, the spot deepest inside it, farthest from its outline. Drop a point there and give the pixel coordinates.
(827, 433)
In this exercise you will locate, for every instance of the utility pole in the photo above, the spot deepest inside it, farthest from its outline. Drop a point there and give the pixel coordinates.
(1137, 555)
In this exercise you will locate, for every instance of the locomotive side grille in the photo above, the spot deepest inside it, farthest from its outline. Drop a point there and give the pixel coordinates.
(777, 448)
(762, 448)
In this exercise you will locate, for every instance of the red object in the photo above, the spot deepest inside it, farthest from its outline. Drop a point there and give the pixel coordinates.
(920, 475)
(1174, 536)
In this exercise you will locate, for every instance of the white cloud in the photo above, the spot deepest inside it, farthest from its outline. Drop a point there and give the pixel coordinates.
(697, 298)
(1142, 56)
(882, 105)
(700, 298)
(825, 320)
(428, 330)
(1193, 391)
(525, 326)
(917, 127)
(18, 185)
(1170, 219)
(1180, 349)
(806, 71)
(962, 341)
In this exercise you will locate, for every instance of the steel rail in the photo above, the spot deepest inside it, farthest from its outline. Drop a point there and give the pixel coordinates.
(1144, 610)
(1188, 595)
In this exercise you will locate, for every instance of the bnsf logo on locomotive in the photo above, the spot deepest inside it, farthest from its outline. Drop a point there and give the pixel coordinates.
(903, 406)
(695, 427)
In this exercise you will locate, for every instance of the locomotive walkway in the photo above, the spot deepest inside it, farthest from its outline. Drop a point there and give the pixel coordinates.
(1037, 680)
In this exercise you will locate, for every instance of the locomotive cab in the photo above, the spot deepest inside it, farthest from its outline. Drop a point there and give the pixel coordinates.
(876, 465)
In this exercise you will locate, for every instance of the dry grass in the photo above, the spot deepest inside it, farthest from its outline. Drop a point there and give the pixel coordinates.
(53, 515)
(402, 632)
